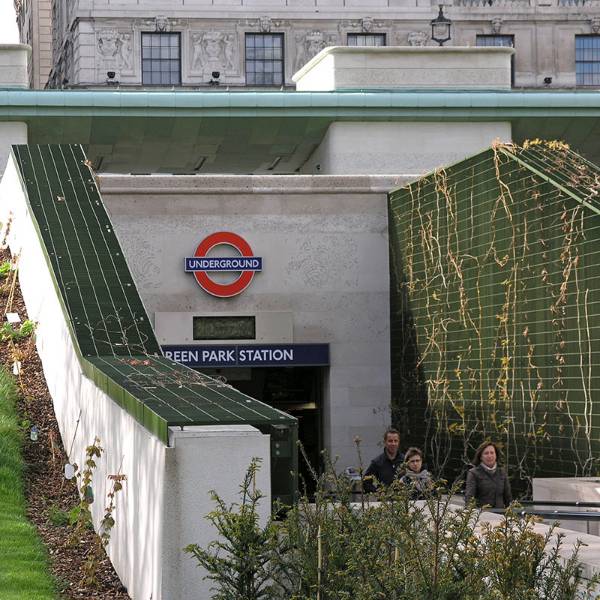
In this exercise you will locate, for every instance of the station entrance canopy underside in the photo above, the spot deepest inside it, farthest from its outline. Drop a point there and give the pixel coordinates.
(184, 132)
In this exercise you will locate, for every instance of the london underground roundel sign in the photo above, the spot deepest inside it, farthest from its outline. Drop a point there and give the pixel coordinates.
(245, 264)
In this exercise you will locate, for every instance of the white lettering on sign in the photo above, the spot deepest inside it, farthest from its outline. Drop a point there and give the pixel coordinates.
(218, 356)
(182, 356)
(266, 355)
(221, 356)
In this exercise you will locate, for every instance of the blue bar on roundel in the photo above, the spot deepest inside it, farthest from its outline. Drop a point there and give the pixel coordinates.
(221, 263)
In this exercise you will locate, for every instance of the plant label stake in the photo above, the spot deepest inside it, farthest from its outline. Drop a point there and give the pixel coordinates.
(69, 471)
(88, 494)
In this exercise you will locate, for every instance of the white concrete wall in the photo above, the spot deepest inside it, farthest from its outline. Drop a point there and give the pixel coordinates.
(139, 507)
(12, 132)
(13, 74)
(355, 147)
(165, 498)
(569, 489)
(339, 68)
(201, 459)
(13, 65)
(325, 260)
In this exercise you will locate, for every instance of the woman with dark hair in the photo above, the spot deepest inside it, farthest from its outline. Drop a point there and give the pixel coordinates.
(487, 483)
(418, 479)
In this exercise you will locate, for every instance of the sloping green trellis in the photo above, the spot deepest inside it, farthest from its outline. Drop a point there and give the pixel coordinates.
(110, 329)
(495, 310)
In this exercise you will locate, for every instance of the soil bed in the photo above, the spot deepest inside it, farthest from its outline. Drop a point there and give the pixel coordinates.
(47, 491)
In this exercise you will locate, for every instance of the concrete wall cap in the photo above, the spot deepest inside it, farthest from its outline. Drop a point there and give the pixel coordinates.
(5, 47)
(407, 50)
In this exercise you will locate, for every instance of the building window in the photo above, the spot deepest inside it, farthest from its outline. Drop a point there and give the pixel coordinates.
(587, 59)
(264, 59)
(496, 40)
(366, 39)
(508, 41)
(161, 58)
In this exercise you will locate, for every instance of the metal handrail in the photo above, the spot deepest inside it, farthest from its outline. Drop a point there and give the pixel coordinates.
(560, 503)
(555, 515)
(564, 515)
(577, 503)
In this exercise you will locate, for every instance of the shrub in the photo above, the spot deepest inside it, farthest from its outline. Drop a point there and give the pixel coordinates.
(397, 548)
(9, 332)
(239, 562)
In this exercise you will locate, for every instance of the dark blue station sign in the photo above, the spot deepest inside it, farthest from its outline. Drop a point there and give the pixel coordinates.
(255, 355)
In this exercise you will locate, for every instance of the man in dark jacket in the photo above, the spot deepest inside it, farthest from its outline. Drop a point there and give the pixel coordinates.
(388, 465)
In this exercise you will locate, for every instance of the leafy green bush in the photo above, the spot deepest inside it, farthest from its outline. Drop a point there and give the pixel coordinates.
(58, 517)
(5, 269)
(397, 548)
(9, 332)
(239, 562)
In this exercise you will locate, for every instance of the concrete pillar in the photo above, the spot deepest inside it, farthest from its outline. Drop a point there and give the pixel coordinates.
(401, 147)
(10, 133)
(14, 59)
(351, 148)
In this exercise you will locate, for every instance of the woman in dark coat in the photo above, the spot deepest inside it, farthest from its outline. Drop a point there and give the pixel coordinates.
(487, 483)
(416, 478)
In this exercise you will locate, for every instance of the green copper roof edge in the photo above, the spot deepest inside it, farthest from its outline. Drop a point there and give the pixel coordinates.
(39, 103)
(505, 150)
(148, 419)
(48, 261)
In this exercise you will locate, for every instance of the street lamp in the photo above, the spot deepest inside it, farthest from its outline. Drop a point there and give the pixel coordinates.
(440, 27)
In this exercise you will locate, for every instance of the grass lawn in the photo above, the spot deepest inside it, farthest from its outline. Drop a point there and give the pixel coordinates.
(24, 572)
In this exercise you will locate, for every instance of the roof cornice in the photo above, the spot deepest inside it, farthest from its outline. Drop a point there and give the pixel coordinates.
(23, 104)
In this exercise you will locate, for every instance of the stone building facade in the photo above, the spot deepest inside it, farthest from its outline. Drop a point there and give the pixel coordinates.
(262, 43)
(34, 18)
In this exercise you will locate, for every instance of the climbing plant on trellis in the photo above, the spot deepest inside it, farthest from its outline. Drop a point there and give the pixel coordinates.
(495, 310)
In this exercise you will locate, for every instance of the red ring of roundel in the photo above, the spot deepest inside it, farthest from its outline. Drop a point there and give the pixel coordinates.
(224, 290)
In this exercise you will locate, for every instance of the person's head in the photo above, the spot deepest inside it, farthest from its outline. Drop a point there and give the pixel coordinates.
(391, 442)
(487, 453)
(414, 459)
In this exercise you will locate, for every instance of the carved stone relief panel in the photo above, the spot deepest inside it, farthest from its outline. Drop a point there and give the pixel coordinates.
(310, 43)
(417, 38)
(264, 24)
(214, 51)
(365, 25)
(160, 24)
(127, 54)
(114, 52)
